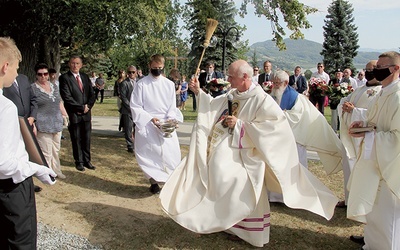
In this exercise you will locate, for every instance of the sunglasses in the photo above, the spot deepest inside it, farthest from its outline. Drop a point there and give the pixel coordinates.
(42, 74)
(131, 72)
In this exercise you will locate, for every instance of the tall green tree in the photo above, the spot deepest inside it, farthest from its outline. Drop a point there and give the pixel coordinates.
(41, 28)
(195, 16)
(341, 39)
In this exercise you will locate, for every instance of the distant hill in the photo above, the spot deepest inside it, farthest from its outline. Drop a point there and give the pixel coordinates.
(304, 53)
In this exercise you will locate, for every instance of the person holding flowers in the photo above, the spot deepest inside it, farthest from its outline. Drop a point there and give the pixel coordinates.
(318, 86)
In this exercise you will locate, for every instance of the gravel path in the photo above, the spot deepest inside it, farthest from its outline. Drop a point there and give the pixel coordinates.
(50, 238)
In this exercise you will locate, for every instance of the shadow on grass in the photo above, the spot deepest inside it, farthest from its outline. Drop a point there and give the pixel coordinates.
(121, 228)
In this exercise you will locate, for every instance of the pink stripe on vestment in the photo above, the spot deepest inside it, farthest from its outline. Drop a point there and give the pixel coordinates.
(241, 136)
(253, 229)
(256, 219)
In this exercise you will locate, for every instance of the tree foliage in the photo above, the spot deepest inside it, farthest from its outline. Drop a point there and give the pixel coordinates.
(224, 11)
(341, 39)
(293, 13)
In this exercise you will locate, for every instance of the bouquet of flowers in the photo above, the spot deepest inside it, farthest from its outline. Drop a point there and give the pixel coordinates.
(337, 91)
(318, 87)
(218, 84)
(267, 86)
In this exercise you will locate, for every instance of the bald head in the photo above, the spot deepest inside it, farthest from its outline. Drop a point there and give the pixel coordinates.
(371, 64)
(239, 75)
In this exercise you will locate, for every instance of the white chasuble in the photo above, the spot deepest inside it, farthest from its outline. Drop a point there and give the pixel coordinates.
(221, 184)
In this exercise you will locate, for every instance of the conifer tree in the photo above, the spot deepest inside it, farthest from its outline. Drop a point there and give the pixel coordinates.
(341, 39)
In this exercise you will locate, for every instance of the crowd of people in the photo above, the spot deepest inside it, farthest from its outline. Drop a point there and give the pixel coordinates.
(248, 145)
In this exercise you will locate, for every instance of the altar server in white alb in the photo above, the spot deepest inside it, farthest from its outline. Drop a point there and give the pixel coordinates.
(374, 182)
(354, 108)
(234, 159)
(311, 130)
(152, 101)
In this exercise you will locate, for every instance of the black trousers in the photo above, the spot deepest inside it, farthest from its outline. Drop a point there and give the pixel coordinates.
(320, 100)
(96, 91)
(18, 223)
(129, 127)
(80, 139)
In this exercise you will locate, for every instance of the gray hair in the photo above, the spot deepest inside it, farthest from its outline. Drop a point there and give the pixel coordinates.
(281, 75)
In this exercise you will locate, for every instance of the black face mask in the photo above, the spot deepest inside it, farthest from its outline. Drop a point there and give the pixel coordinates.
(156, 72)
(369, 75)
(381, 74)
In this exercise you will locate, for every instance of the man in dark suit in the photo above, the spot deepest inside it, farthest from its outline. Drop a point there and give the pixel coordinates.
(22, 95)
(298, 81)
(78, 95)
(266, 76)
(208, 75)
(125, 92)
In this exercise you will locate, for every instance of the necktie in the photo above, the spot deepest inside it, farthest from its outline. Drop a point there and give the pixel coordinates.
(15, 84)
(79, 83)
(266, 77)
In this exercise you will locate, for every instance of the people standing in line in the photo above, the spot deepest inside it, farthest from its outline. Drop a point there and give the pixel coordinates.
(22, 95)
(209, 74)
(353, 108)
(100, 85)
(17, 199)
(310, 128)
(78, 96)
(121, 77)
(49, 119)
(320, 100)
(93, 78)
(153, 101)
(350, 80)
(125, 93)
(374, 185)
(298, 81)
(234, 159)
(175, 77)
(265, 77)
(184, 93)
(361, 80)
(256, 73)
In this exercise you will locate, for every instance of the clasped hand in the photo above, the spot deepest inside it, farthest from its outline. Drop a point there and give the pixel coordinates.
(230, 121)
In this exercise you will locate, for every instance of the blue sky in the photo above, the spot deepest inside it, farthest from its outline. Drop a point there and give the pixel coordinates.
(378, 23)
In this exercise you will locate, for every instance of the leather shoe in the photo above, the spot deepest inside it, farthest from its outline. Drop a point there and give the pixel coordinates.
(80, 167)
(130, 150)
(341, 204)
(155, 189)
(37, 189)
(89, 166)
(357, 239)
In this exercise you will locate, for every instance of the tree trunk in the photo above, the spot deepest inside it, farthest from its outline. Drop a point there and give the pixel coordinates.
(28, 48)
(49, 52)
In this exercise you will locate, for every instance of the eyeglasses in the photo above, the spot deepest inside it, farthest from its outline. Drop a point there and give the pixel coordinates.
(384, 66)
(42, 74)
(320, 66)
(131, 72)
(255, 69)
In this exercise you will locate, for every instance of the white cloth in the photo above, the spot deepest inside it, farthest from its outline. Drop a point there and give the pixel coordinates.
(156, 155)
(222, 180)
(14, 161)
(311, 130)
(383, 223)
(324, 76)
(383, 163)
(361, 82)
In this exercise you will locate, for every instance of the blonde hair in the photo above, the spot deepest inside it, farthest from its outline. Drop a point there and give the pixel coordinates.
(9, 51)
(393, 56)
(157, 58)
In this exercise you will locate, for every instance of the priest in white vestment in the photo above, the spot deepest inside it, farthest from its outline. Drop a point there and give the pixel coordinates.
(311, 130)
(153, 101)
(234, 159)
(354, 108)
(374, 184)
